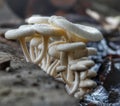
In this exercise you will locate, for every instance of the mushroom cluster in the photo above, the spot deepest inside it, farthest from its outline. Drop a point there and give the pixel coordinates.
(59, 48)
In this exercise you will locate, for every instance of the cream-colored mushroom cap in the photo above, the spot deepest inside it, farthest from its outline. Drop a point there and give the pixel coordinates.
(87, 83)
(91, 73)
(37, 19)
(91, 51)
(18, 33)
(70, 46)
(35, 41)
(87, 63)
(52, 51)
(90, 33)
(48, 30)
(24, 26)
(76, 67)
(85, 32)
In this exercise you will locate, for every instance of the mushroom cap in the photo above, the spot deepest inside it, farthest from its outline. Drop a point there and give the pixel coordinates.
(83, 75)
(72, 37)
(20, 32)
(84, 52)
(91, 73)
(91, 51)
(52, 51)
(87, 83)
(75, 61)
(87, 63)
(90, 33)
(25, 26)
(48, 30)
(35, 41)
(82, 31)
(61, 68)
(76, 67)
(70, 46)
(37, 19)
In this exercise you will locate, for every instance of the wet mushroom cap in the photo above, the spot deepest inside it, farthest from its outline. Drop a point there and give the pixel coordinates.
(92, 51)
(35, 41)
(91, 73)
(85, 32)
(90, 33)
(87, 63)
(70, 46)
(48, 30)
(61, 68)
(18, 33)
(52, 51)
(87, 83)
(76, 67)
(37, 19)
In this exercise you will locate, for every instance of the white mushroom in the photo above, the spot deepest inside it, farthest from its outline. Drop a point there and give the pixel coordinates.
(91, 74)
(61, 70)
(72, 88)
(59, 48)
(20, 34)
(87, 63)
(34, 43)
(87, 83)
(37, 19)
(46, 31)
(68, 49)
(79, 31)
(54, 53)
(77, 67)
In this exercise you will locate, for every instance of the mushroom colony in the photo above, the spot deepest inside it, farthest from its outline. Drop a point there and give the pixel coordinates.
(59, 48)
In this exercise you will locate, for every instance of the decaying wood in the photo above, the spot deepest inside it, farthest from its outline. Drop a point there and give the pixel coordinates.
(4, 60)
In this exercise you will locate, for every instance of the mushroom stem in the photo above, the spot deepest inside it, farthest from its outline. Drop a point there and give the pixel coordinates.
(65, 80)
(64, 62)
(48, 62)
(36, 51)
(75, 84)
(32, 54)
(43, 63)
(70, 76)
(24, 49)
(52, 72)
(43, 51)
(51, 66)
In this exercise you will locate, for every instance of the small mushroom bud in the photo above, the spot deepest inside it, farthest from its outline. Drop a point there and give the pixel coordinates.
(87, 83)
(91, 73)
(83, 75)
(77, 67)
(91, 51)
(87, 63)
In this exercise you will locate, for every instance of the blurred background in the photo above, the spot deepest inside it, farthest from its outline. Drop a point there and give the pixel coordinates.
(25, 8)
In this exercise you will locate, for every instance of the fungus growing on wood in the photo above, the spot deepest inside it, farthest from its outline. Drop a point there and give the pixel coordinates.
(59, 48)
